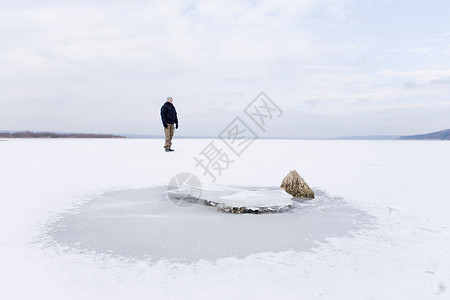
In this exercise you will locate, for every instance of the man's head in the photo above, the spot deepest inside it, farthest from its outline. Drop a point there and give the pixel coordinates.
(169, 99)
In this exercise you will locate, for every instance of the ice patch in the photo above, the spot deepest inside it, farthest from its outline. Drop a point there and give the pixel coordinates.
(145, 224)
(259, 198)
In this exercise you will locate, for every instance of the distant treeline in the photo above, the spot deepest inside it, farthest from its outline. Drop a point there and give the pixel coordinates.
(52, 135)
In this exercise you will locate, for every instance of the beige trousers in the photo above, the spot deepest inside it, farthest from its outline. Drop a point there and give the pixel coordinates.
(169, 134)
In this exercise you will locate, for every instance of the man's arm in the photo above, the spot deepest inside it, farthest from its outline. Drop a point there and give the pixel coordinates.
(164, 115)
(176, 117)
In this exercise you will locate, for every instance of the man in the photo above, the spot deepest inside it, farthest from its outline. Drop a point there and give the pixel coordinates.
(169, 118)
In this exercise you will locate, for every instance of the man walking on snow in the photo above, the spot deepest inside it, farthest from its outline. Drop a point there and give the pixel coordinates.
(169, 118)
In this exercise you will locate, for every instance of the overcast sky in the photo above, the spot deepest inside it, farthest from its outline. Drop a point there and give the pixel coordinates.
(336, 68)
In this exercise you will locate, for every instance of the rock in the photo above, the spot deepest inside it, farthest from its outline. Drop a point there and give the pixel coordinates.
(295, 185)
(253, 210)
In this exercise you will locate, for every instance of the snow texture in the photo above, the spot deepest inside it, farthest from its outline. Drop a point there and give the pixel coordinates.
(75, 222)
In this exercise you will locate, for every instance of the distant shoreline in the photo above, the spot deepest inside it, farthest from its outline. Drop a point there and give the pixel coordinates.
(434, 136)
(443, 135)
(53, 135)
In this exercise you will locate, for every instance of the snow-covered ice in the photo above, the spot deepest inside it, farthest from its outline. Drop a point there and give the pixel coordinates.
(144, 224)
(379, 228)
(248, 196)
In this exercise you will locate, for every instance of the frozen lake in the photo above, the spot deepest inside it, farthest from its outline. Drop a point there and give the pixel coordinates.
(145, 224)
(88, 219)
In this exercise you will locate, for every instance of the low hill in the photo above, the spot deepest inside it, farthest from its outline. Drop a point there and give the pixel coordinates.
(30, 134)
(438, 135)
(368, 137)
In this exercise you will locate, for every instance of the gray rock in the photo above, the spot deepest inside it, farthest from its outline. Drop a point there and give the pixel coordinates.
(295, 185)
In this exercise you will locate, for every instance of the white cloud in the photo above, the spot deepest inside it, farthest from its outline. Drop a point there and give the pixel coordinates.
(421, 76)
(211, 56)
(423, 50)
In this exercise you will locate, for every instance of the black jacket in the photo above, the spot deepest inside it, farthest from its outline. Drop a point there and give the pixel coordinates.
(169, 114)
